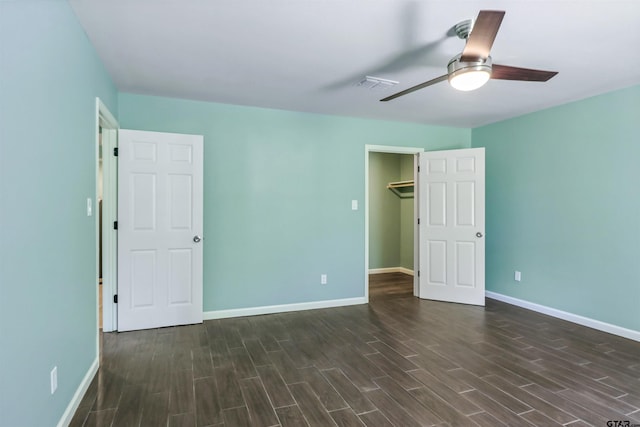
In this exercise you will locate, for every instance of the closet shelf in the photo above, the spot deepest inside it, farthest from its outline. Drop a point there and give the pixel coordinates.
(403, 189)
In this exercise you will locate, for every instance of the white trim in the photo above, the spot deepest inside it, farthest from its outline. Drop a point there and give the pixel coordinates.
(283, 308)
(66, 418)
(379, 149)
(106, 115)
(575, 318)
(109, 125)
(391, 270)
(393, 149)
(416, 228)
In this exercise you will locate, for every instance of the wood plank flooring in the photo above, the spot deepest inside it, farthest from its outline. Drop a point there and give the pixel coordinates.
(390, 285)
(398, 361)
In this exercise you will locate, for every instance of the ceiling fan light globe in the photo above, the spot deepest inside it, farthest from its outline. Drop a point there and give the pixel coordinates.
(469, 80)
(468, 75)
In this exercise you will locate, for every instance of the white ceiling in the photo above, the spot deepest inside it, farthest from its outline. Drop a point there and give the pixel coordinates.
(309, 55)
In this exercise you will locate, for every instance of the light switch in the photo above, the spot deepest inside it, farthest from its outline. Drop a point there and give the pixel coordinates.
(89, 207)
(354, 205)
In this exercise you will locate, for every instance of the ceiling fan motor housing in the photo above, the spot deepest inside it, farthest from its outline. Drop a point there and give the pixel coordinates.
(456, 66)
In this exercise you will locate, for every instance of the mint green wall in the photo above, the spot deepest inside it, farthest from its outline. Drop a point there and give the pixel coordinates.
(562, 206)
(49, 78)
(278, 191)
(406, 215)
(384, 211)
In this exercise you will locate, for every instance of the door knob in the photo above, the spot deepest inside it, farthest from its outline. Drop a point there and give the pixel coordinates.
(478, 234)
(197, 238)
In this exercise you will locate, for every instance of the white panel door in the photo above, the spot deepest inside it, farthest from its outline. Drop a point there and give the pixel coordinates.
(159, 229)
(451, 230)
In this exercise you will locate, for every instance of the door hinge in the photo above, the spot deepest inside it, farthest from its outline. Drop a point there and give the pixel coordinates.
(115, 225)
(418, 221)
(115, 299)
(418, 273)
(418, 168)
(115, 151)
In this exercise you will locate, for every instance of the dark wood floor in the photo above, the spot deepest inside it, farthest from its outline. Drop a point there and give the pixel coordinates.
(390, 285)
(398, 361)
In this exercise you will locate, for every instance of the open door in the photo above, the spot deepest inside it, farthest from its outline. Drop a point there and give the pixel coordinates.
(160, 224)
(451, 225)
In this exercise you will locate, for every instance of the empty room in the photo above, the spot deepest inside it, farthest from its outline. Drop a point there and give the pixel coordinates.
(319, 213)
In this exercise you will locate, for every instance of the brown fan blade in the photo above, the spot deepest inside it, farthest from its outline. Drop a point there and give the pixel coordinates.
(482, 35)
(505, 72)
(415, 88)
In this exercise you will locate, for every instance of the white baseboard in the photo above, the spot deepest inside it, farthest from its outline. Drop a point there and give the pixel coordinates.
(575, 318)
(283, 308)
(66, 418)
(391, 270)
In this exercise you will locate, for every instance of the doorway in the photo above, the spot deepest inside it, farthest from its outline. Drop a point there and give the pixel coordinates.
(391, 225)
(106, 237)
(391, 242)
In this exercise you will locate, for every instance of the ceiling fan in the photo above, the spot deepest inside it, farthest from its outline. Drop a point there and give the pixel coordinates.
(473, 67)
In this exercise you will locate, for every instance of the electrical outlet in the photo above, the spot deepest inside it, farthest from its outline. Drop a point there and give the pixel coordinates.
(54, 379)
(323, 279)
(354, 205)
(517, 276)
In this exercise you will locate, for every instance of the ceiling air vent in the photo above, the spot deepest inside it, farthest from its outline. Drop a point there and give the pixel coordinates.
(376, 83)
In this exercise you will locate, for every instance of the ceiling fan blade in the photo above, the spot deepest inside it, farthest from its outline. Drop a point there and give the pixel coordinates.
(482, 35)
(505, 72)
(415, 88)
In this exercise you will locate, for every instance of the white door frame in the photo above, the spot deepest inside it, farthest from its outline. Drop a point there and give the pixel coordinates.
(393, 150)
(109, 125)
